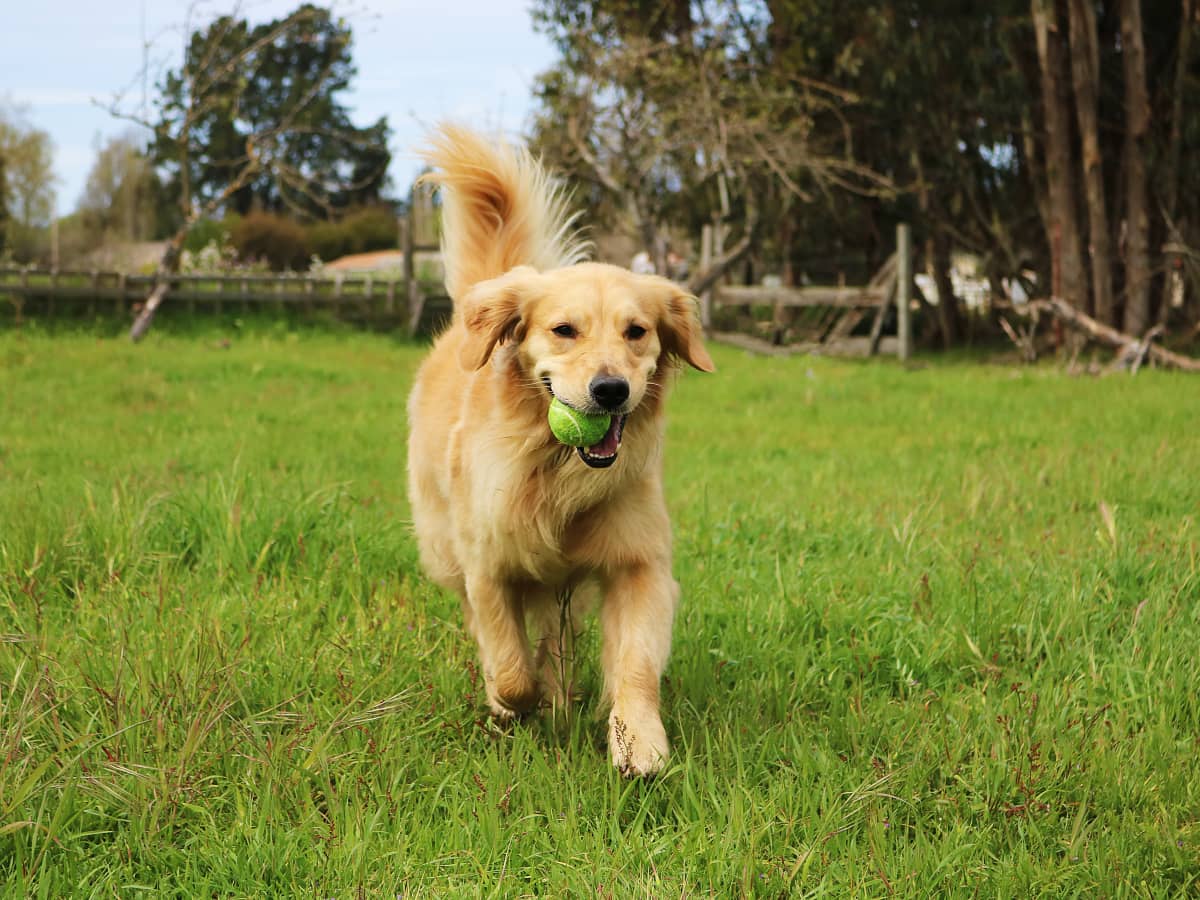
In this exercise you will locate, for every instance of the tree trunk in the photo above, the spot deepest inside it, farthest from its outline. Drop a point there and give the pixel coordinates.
(786, 274)
(1068, 278)
(937, 259)
(643, 225)
(3, 207)
(949, 317)
(1175, 142)
(1137, 123)
(706, 278)
(1085, 73)
(1187, 17)
(1098, 331)
(1030, 163)
(168, 265)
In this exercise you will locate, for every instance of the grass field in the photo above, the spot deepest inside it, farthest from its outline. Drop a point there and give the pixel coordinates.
(940, 635)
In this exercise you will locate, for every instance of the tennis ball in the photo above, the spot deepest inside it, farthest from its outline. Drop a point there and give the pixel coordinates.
(574, 428)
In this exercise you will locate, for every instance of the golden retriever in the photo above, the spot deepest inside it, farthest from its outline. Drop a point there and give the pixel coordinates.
(505, 515)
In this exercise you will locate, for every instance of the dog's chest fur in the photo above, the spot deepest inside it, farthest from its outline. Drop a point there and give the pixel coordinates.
(528, 519)
(535, 516)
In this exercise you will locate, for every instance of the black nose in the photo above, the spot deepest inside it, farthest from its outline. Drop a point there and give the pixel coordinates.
(610, 391)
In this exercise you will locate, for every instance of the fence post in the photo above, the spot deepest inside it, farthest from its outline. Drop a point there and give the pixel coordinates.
(904, 289)
(24, 294)
(407, 241)
(706, 298)
(410, 263)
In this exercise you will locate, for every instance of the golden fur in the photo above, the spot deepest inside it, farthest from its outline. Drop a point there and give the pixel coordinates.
(505, 515)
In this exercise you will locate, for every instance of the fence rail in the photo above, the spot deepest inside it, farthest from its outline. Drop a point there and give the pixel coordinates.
(384, 297)
(820, 319)
(843, 297)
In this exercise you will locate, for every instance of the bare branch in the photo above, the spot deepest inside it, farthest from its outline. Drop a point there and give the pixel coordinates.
(703, 281)
(1129, 345)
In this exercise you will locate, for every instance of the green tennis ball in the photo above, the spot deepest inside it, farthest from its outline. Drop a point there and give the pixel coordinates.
(574, 428)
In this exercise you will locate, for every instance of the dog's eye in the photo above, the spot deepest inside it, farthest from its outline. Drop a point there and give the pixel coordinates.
(635, 332)
(564, 330)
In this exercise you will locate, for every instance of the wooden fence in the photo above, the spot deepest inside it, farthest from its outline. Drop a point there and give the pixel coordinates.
(392, 299)
(820, 319)
(383, 298)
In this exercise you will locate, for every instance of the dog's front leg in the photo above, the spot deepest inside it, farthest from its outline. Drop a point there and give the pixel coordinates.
(636, 616)
(497, 621)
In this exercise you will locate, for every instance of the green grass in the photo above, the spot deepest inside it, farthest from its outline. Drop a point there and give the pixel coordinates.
(939, 636)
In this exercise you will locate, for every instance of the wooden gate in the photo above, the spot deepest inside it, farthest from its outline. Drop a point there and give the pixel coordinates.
(821, 319)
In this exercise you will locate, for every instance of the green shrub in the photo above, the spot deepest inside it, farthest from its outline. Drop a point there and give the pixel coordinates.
(359, 231)
(327, 240)
(210, 231)
(282, 243)
(372, 228)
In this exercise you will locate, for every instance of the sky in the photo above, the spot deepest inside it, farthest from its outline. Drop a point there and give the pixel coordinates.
(418, 62)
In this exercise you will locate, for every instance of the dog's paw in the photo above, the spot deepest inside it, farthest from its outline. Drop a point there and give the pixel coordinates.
(513, 694)
(638, 749)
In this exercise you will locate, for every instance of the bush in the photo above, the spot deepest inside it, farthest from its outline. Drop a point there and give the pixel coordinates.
(78, 236)
(210, 231)
(372, 228)
(282, 243)
(359, 231)
(327, 240)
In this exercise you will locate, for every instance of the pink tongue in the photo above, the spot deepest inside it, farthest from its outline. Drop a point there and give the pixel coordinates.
(608, 444)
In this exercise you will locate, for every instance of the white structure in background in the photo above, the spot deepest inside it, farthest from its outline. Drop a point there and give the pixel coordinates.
(972, 290)
(1015, 289)
(642, 264)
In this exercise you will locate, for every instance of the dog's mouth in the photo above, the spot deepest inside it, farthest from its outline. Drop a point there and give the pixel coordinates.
(603, 454)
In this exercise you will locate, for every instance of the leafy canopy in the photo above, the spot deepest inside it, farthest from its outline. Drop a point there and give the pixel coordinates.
(265, 99)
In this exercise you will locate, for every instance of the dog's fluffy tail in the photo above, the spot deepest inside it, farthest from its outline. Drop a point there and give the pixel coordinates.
(500, 209)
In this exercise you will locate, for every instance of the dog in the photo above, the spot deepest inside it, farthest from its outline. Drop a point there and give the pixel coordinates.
(507, 517)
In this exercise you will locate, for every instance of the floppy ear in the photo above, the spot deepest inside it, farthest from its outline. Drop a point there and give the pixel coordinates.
(680, 330)
(491, 314)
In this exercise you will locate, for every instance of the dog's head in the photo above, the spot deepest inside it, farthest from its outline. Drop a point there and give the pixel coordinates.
(594, 336)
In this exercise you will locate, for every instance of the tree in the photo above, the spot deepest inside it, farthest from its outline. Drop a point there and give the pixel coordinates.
(274, 88)
(941, 111)
(4, 215)
(123, 197)
(1137, 127)
(26, 178)
(1085, 75)
(252, 115)
(666, 112)
(1062, 221)
(1143, 55)
(1174, 114)
(1001, 128)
